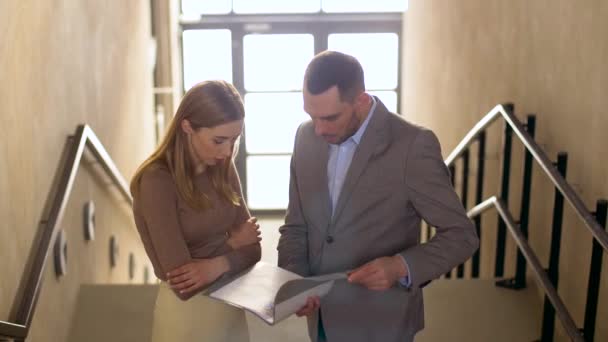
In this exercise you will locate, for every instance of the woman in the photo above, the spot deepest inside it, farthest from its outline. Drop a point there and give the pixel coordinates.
(191, 217)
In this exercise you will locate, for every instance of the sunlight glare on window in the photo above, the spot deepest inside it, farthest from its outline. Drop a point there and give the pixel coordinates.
(268, 182)
(276, 6)
(276, 61)
(389, 98)
(272, 120)
(364, 5)
(378, 53)
(194, 8)
(204, 63)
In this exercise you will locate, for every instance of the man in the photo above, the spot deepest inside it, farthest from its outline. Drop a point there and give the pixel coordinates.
(362, 178)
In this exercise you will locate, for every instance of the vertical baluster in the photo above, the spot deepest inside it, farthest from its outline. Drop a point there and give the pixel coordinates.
(595, 274)
(464, 196)
(481, 156)
(520, 271)
(452, 169)
(504, 195)
(556, 237)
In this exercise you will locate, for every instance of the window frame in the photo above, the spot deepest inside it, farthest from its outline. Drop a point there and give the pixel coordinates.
(320, 25)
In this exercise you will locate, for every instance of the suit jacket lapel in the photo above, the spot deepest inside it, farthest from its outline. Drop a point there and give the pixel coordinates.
(374, 140)
(320, 180)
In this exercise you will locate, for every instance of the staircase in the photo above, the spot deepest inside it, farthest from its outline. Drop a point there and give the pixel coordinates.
(457, 308)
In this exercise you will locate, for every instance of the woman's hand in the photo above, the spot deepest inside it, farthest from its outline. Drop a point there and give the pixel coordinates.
(197, 274)
(312, 304)
(247, 233)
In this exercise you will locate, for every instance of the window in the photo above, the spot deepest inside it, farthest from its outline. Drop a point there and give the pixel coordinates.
(269, 66)
(196, 8)
(274, 67)
(202, 63)
(276, 6)
(272, 120)
(276, 61)
(378, 54)
(364, 6)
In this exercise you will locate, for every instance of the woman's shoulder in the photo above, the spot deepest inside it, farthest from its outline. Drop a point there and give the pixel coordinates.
(156, 175)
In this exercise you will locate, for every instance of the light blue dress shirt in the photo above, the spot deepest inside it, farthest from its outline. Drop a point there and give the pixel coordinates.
(340, 157)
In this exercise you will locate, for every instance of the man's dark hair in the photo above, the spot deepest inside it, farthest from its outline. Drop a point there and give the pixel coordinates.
(331, 68)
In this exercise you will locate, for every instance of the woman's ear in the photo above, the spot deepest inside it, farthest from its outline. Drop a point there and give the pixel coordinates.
(186, 127)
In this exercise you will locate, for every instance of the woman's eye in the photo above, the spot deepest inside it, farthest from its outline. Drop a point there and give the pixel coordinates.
(218, 142)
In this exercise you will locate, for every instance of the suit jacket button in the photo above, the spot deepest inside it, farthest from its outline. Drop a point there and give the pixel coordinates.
(329, 239)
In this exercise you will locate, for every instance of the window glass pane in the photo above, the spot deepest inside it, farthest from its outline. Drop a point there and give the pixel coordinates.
(194, 8)
(276, 6)
(276, 61)
(389, 98)
(365, 6)
(202, 63)
(377, 53)
(271, 121)
(268, 182)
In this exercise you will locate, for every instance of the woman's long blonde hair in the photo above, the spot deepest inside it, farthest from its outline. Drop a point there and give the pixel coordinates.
(207, 104)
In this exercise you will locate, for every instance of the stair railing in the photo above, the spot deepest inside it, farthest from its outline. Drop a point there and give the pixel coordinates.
(595, 222)
(25, 305)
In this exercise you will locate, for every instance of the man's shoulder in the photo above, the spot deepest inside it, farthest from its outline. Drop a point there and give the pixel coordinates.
(306, 129)
(305, 135)
(404, 130)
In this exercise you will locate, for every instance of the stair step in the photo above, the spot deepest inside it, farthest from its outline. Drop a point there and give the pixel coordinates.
(114, 313)
(476, 310)
(455, 310)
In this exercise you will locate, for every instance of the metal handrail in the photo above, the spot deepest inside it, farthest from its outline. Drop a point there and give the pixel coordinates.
(537, 269)
(506, 112)
(84, 137)
(12, 330)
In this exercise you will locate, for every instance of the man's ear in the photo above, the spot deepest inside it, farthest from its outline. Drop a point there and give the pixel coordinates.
(362, 100)
(186, 127)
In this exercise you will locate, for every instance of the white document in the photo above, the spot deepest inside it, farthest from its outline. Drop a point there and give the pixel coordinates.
(272, 293)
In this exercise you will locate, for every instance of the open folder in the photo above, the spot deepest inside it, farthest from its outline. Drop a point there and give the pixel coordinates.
(270, 292)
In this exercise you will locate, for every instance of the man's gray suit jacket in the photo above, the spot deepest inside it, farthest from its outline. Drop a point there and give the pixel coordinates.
(396, 178)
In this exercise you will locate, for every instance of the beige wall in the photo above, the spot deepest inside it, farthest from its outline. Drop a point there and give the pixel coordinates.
(62, 63)
(549, 58)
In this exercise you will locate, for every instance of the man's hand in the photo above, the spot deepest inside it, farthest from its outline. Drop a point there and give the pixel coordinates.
(379, 274)
(248, 233)
(312, 304)
(197, 274)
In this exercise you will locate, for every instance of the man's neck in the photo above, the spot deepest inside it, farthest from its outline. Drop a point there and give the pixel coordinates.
(364, 113)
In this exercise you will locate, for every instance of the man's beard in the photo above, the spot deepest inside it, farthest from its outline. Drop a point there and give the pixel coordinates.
(353, 126)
